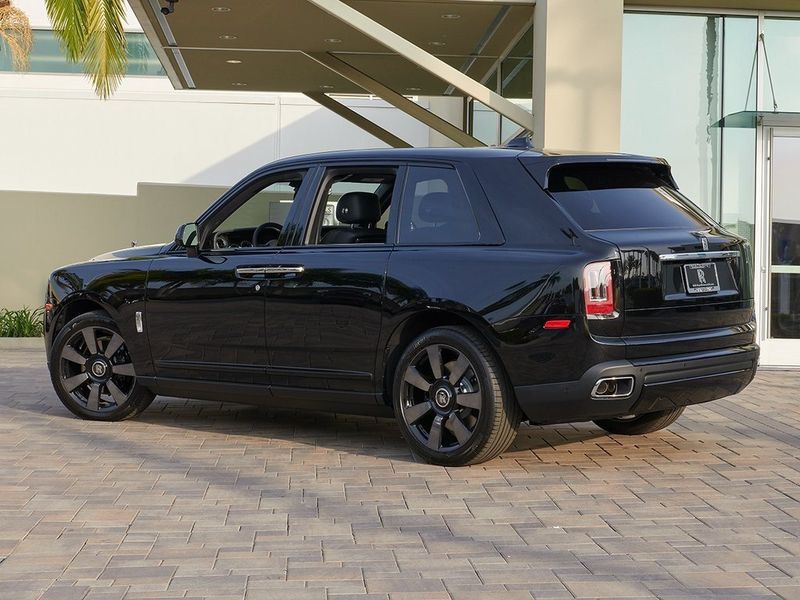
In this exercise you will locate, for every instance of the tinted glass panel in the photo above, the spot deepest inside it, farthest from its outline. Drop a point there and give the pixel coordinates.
(47, 56)
(436, 209)
(354, 207)
(620, 197)
(785, 216)
(259, 221)
(782, 41)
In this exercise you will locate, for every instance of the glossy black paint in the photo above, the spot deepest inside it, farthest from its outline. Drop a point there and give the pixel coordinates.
(329, 337)
(204, 321)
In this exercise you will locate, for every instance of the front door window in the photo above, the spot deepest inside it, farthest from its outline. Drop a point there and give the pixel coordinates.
(258, 218)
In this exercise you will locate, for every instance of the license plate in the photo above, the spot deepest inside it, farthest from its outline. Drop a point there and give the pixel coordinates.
(701, 278)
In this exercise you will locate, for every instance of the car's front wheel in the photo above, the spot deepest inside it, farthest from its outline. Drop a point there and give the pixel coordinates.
(92, 370)
(452, 400)
(641, 424)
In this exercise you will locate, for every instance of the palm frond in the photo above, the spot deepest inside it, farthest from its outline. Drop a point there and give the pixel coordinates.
(15, 35)
(105, 55)
(69, 18)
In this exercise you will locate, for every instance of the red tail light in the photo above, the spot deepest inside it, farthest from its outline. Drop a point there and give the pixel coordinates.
(598, 290)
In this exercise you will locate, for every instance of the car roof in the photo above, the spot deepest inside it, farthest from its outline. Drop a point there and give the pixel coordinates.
(466, 154)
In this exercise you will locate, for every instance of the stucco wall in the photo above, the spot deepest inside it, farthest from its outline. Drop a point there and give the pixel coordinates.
(43, 231)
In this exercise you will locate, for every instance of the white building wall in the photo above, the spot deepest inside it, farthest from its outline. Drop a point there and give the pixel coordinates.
(59, 137)
(64, 139)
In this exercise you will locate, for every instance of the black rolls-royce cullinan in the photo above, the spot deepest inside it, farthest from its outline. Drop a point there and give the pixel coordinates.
(462, 291)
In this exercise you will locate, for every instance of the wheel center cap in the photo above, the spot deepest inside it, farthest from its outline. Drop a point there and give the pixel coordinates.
(99, 369)
(442, 397)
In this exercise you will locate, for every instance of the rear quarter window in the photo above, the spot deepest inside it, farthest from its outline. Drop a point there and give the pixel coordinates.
(436, 210)
(625, 196)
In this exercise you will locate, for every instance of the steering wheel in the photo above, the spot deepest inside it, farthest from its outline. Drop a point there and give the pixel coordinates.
(271, 231)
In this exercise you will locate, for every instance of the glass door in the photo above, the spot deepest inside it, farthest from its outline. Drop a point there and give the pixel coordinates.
(780, 250)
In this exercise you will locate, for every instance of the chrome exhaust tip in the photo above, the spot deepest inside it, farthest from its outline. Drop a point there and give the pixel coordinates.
(613, 387)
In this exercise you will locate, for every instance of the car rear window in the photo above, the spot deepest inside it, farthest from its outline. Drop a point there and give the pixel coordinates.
(626, 196)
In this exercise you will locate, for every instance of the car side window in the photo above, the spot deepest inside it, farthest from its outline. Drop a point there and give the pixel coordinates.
(353, 206)
(436, 209)
(259, 220)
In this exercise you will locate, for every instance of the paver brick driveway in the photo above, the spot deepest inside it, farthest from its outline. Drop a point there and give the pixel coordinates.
(196, 500)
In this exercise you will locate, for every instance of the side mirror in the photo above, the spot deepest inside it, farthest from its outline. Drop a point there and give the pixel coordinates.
(186, 236)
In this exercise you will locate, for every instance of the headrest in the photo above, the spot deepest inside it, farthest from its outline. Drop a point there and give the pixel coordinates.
(442, 207)
(358, 208)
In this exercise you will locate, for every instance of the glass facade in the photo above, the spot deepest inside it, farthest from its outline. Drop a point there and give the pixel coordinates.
(513, 79)
(671, 93)
(782, 44)
(738, 144)
(698, 69)
(681, 75)
(48, 57)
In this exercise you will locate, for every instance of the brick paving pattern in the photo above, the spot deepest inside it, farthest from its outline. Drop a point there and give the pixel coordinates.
(201, 500)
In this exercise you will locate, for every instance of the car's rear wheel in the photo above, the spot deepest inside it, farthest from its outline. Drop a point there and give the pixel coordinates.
(641, 424)
(452, 400)
(92, 370)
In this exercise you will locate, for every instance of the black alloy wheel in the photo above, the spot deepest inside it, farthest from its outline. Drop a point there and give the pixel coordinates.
(93, 372)
(450, 398)
(441, 398)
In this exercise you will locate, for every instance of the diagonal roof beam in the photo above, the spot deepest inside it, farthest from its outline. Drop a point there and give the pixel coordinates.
(426, 61)
(396, 99)
(358, 120)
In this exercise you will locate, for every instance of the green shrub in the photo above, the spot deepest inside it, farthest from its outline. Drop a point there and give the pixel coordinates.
(21, 323)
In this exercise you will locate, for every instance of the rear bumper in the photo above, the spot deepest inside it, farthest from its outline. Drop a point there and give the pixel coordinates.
(659, 383)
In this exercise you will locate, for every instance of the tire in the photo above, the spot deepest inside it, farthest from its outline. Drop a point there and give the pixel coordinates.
(461, 411)
(641, 424)
(89, 383)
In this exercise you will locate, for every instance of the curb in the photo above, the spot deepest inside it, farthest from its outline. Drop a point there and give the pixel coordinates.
(21, 343)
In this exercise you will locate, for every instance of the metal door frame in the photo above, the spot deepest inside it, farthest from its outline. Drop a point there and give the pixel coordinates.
(775, 352)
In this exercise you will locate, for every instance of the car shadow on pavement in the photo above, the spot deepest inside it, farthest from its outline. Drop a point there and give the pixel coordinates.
(374, 436)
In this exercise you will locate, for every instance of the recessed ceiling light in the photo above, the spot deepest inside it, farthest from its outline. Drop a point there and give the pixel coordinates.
(437, 43)
(238, 84)
(220, 9)
(413, 89)
(326, 87)
(233, 61)
(228, 37)
(451, 16)
(332, 41)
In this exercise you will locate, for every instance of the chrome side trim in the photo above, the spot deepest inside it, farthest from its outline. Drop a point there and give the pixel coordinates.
(699, 255)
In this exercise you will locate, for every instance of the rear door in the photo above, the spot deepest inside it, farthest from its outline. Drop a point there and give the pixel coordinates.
(681, 273)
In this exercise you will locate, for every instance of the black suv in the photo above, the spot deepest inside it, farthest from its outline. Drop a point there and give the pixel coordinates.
(462, 291)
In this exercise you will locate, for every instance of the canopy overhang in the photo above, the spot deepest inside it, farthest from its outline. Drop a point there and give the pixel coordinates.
(390, 48)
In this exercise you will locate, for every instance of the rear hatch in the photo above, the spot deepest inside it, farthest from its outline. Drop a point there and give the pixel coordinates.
(686, 282)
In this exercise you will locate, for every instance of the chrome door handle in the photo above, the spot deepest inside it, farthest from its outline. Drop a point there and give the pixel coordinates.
(283, 270)
(250, 271)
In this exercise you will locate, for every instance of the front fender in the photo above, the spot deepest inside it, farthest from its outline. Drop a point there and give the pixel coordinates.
(116, 287)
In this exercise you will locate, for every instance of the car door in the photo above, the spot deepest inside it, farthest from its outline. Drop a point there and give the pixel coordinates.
(324, 294)
(205, 308)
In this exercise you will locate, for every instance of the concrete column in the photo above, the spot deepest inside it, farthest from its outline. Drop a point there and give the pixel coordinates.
(577, 74)
(449, 108)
